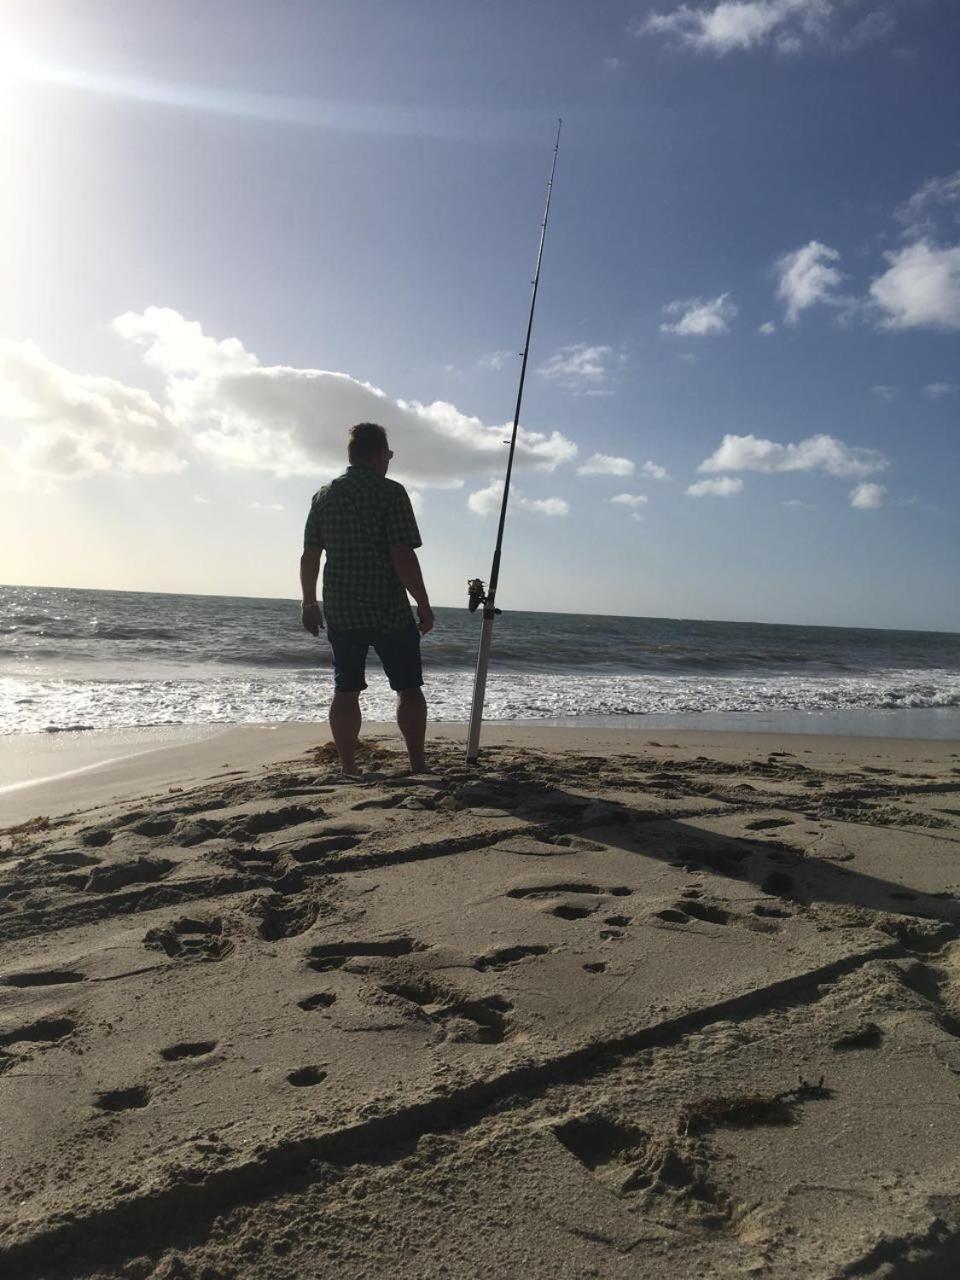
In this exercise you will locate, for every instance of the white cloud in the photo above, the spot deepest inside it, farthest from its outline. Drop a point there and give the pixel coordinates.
(884, 392)
(178, 346)
(289, 420)
(200, 500)
(817, 453)
(867, 497)
(266, 506)
(654, 471)
(494, 360)
(767, 329)
(915, 504)
(545, 506)
(700, 318)
(932, 206)
(920, 288)
(724, 487)
(630, 499)
(579, 365)
(55, 424)
(805, 277)
(486, 502)
(736, 25)
(416, 501)
(613, 65)
(603, 464)
(937, 390)
(797, 505)
(222, 406)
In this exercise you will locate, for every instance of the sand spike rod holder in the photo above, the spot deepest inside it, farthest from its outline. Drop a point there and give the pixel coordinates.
(477, 594)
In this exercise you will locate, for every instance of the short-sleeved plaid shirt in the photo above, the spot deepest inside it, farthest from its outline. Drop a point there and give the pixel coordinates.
(356, 519)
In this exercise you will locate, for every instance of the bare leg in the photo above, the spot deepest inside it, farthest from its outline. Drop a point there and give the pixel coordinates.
(345, 721)
(412, 721)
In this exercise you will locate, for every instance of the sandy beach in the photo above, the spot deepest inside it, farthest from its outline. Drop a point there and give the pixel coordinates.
(613, 1005)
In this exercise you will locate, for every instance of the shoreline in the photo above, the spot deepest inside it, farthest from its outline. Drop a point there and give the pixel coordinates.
(57, 773)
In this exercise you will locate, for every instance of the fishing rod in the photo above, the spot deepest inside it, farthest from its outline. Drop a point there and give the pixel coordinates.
(476, 594)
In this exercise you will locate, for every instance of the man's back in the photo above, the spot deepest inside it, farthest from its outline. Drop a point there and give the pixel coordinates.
(356, 519)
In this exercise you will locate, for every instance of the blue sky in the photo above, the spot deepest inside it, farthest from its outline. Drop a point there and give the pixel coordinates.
(231, 229)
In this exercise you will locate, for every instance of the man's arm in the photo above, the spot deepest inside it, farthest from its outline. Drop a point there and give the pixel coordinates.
(407, 567)
(311, 614)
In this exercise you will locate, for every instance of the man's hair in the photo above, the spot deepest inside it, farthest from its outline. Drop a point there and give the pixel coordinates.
(367, 439)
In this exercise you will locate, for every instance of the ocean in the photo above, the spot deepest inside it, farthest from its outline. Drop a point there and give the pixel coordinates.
(72, 660)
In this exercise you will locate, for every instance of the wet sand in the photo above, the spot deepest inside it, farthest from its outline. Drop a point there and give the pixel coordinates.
(610, 1005)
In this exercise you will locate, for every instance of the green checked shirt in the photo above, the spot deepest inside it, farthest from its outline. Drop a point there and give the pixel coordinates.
(356, 519)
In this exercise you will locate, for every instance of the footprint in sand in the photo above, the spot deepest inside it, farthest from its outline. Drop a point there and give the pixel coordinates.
(572, 910)
(570, 900)
(42, 978)
(283, 916)
(187, 1049)
(132, 1099)
(568, 886)
(305, 1076)
(118, 875)
(334, 955)
(704, 911)
(768, 824)
(460, 1018)
(190, 939)
(252, 859)
(505, 957)
(198, 831)
(43, 1031)
(154, 827)
(96, 839)
(268, 820)
(71, 860)
(317, 850)
(320, 1000)
(766, 911)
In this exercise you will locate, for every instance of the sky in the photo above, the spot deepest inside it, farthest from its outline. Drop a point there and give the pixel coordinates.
(229, 230)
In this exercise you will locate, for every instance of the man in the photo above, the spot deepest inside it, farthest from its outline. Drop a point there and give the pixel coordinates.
(365, 524)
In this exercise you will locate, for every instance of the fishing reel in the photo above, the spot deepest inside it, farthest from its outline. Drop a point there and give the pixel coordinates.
(476, 595)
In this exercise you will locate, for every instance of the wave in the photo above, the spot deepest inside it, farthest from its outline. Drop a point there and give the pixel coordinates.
(640, 663)
(285, 659)
(135, 633)
(36, 705)
(20, 620)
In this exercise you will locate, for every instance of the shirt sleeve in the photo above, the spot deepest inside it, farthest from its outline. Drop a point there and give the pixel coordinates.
(401, 523)
(312, 537)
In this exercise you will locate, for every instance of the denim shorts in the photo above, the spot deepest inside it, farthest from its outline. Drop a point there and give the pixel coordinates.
(398, 651)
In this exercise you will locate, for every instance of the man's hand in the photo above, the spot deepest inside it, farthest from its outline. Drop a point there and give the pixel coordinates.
(407, 568)
(311, 615)
(425, 614)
